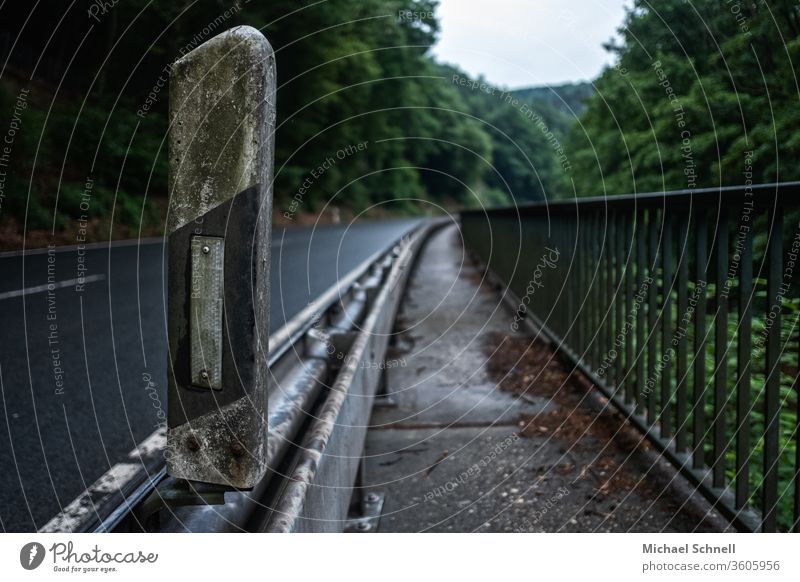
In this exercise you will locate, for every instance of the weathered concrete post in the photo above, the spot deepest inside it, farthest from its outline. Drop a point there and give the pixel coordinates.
(221, 142)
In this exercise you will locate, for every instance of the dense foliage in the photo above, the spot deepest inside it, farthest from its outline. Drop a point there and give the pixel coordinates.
(349, 73)
(697, 85)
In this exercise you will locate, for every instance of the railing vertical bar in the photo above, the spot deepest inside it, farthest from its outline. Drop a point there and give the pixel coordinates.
(630, 387)
(552, 317)
(652, 316)
(562, 300)
(699, 390)
(720, 350)
(611, 283)
(603, 295)
(587, 288)
(580, 263)
(772, 372)
(796, 526)
(597, 295)
(569, 273)
(641, 264)
(681, 372)
(744, 345)
(619, 298)
(667, 266)
(569, 264)
(590, 288)
(556, 300)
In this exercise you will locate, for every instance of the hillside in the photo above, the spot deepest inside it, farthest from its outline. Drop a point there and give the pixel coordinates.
(569, 98)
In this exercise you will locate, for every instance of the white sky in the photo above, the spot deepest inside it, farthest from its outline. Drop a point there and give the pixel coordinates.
(519, 43)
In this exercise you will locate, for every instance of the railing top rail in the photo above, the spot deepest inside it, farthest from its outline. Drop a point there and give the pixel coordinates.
(762, 194)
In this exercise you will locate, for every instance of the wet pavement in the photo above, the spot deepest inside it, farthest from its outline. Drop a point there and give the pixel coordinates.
(487, 430)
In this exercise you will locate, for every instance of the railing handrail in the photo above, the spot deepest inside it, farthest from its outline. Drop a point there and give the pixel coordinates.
(705, 197)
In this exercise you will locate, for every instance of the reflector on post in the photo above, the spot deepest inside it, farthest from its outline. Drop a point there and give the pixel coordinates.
(222, 125)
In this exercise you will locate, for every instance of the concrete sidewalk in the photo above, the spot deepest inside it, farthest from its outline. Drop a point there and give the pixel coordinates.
(491, 432)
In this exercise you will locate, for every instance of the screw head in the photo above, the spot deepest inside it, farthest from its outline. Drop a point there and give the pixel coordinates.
(204, 374)
(206, 249)
(363, 526)
(372, 498)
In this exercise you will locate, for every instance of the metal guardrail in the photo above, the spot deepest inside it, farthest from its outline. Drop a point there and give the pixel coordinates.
(321, 392)
(354, 315)
(682, 307)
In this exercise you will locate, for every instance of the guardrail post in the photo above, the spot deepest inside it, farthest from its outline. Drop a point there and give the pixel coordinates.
(222, 125)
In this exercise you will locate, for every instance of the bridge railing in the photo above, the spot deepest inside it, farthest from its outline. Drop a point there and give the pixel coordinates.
(682, 307)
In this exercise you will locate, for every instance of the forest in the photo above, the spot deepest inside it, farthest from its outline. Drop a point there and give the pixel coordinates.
(698, 94)
(701, 94)
(91, 151)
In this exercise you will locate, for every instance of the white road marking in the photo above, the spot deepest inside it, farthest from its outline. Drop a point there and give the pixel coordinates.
(46, 286)
(86, 246)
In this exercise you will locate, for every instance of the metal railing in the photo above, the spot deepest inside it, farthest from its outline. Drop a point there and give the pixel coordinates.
(682, 307)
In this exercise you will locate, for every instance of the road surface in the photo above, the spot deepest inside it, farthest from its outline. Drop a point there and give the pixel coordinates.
(83, 371)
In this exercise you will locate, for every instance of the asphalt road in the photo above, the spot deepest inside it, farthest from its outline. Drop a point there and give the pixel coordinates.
(77, 368)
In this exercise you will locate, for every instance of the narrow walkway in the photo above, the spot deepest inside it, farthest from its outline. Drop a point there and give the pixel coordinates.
(491, 432)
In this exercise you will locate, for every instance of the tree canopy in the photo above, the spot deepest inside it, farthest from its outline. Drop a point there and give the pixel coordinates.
(701, 94)
(349, 73)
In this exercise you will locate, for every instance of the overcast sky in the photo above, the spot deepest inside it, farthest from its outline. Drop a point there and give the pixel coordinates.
(519, 43)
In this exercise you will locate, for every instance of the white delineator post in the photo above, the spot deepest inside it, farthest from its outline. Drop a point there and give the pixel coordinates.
(221, 148)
